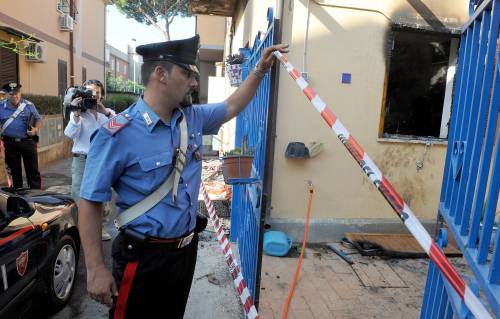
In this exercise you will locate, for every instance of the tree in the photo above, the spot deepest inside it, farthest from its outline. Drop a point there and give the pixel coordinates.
(18, 46)
(151, 12)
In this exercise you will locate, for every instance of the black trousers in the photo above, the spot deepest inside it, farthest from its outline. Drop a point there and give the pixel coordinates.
(162, 281)
(25, 150)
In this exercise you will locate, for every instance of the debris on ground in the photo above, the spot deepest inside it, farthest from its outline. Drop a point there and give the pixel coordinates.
(213, 178)
(395, 245)
(340, 253)
(218, 191)
(213, 280)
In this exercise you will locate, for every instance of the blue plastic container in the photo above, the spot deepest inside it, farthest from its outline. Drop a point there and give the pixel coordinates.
(276, 243)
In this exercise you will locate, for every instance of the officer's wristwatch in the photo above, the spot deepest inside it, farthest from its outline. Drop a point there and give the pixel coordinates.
(258, 72)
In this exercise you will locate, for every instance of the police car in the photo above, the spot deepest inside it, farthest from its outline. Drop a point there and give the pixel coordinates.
(39, 250)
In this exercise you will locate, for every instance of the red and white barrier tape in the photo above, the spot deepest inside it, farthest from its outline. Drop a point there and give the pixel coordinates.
(234, 268)
(390, 194)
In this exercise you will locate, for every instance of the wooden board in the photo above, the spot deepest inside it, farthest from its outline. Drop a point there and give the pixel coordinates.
(395, 245)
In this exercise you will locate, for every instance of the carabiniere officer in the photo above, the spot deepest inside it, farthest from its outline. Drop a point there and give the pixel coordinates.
(20, 122)
(154, 147)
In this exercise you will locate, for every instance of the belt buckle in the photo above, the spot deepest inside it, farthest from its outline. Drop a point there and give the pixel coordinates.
(185, 241)
(17, 139)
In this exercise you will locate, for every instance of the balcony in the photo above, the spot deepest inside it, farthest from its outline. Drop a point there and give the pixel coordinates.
(213, 7)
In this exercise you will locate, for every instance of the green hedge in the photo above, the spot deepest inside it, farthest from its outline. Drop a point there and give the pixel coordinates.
(119, 101)
(45, 104)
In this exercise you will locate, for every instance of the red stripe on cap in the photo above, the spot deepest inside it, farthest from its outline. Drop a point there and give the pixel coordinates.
(128, 279)
(391, 195)
(355, 148)
(309, 92)
(295, 74)
(447, 269)
(328, 116)
(13, 236)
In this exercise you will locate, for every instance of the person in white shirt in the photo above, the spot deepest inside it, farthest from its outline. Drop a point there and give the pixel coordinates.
(80, 128)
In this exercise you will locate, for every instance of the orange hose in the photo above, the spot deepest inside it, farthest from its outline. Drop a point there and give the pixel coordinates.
(299, 263)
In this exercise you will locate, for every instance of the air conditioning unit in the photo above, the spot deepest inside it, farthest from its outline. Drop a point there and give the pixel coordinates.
(65, 23)
(35, 52)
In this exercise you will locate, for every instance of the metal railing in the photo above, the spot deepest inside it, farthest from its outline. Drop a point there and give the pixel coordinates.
(247, 205)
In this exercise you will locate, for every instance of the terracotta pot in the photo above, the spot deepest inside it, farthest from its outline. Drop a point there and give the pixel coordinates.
(238, 166)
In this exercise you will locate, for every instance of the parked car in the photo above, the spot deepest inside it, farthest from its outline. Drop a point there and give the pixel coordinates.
(39, 250)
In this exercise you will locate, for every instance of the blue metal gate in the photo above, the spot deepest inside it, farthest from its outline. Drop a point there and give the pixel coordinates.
(471, 180)
(247, 209)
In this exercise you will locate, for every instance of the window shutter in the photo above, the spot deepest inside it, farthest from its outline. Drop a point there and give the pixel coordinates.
(8, 66)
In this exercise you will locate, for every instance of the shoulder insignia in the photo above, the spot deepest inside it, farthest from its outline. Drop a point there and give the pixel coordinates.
(116, 123)
(28, 102)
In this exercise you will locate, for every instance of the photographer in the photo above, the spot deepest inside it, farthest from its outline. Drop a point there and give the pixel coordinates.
(88, 114)
(19, 135)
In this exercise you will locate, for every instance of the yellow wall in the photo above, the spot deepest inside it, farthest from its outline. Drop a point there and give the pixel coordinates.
(211, 29)
(90, 40)
(353, 41)
(40, 19)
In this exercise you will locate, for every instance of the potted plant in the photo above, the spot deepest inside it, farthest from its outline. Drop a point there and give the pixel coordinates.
(237, 163)
(234, 66)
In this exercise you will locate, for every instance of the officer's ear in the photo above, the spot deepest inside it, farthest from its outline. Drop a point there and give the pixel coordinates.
(161, 74)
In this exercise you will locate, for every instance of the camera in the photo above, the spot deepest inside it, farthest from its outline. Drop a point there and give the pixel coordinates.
(89, 99)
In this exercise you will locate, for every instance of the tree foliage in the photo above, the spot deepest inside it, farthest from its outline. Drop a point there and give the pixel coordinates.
(151, 12)
(117, 84)
(18, 46)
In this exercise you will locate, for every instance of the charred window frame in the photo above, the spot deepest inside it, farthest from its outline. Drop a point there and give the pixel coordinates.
(420, 74)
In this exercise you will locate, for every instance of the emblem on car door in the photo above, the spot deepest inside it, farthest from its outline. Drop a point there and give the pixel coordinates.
(22, 263)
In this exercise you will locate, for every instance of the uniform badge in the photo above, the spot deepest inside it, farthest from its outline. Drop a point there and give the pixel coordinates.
(116, 123)
(147, 118)
(13, 85)
(22, 263)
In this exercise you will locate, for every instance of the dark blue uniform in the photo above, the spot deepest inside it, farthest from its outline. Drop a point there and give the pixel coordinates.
(18, 145)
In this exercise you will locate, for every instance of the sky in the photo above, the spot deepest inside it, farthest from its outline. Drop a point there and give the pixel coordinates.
(120, 31)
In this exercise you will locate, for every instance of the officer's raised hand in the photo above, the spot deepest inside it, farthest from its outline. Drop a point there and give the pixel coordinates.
(237, 101)
(267, 59)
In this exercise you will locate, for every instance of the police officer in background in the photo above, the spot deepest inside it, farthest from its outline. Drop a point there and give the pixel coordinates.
(20, 122)
(154, 147)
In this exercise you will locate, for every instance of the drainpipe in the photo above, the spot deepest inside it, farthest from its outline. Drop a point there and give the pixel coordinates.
(305, 75)
(105, 78)
(71, 47)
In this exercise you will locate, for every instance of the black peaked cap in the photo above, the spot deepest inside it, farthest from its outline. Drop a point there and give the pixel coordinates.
(181, 52)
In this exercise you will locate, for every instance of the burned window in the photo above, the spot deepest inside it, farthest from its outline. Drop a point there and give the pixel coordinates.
(418, 66)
